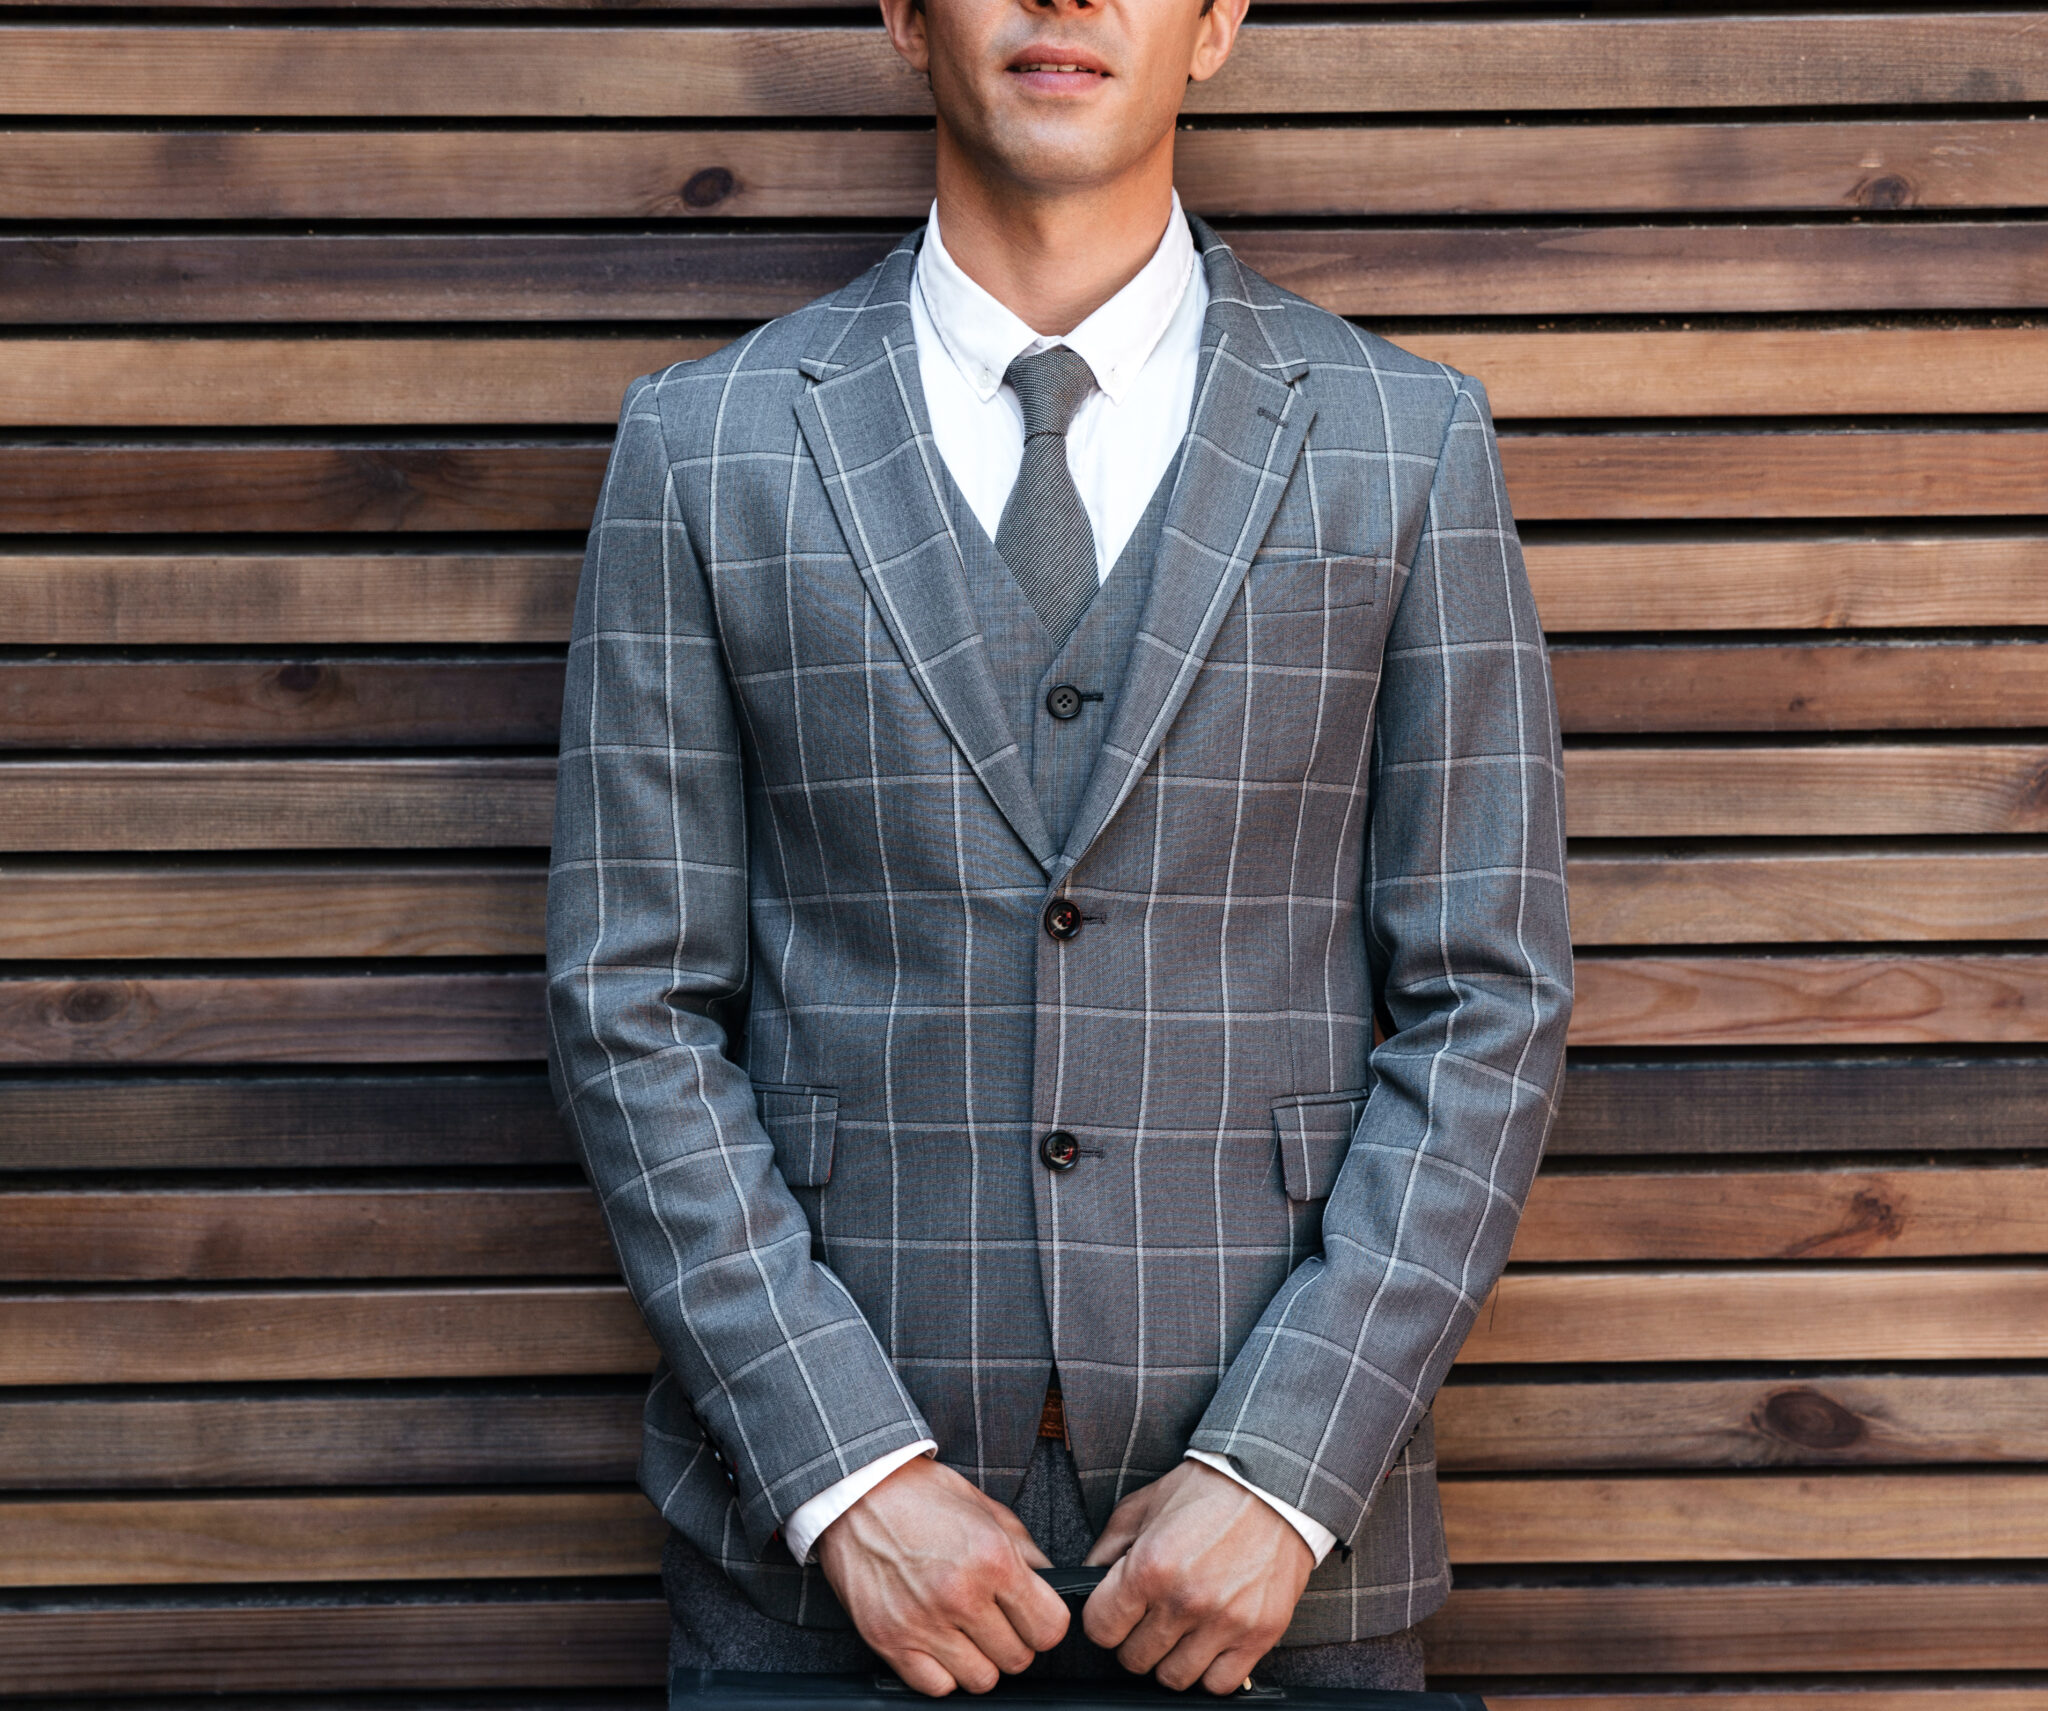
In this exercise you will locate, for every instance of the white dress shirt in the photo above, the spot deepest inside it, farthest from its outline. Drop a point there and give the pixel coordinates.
(1143, 346)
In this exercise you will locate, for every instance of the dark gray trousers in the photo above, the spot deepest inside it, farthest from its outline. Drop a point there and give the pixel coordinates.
(712, 1626)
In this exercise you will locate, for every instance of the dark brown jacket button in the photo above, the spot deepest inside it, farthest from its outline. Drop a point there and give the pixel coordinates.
(1062, 918)
(1059, 1150)
(1063, 701)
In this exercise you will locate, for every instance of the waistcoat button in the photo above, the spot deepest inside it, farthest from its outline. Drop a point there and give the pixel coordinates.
(1059, 1150)
(1062, 918)
(1063, 701)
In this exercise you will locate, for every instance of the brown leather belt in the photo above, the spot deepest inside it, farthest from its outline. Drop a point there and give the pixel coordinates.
(1052, 1418)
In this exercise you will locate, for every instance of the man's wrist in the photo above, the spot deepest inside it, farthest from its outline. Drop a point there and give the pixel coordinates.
(800, 1532)
(1319, 1539)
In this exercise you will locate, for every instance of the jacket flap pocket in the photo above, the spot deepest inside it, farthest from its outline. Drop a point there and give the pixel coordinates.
(1314, 1132)
(800, 1122)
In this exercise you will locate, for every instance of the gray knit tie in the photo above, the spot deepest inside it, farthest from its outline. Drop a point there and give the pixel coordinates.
(1044, 536)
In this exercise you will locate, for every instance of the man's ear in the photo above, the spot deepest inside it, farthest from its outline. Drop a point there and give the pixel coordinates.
(1215, 35)
(905, 22)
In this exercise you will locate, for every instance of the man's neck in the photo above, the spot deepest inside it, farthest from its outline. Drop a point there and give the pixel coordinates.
(1053, 259)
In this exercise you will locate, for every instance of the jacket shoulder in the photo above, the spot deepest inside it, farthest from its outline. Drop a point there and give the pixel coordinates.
(1353, 368)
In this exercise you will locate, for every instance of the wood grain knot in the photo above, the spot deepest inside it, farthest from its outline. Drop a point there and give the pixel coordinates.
(708, 187)
(1810, 1420)
(299, 678)
(93, 1003)
(1887, 191)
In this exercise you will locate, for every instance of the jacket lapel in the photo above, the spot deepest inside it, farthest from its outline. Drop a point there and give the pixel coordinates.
(865, 422)
(1244, 435)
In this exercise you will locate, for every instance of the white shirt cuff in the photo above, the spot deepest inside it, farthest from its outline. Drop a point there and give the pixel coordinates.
(1319, 1539)
(800, 1532)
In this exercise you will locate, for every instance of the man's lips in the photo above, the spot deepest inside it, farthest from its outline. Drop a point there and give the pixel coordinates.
(1057, 68)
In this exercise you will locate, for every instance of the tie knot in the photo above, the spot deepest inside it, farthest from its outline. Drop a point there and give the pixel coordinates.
(1051, 386)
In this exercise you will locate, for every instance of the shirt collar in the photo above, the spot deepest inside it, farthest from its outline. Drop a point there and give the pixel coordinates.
(983, 337)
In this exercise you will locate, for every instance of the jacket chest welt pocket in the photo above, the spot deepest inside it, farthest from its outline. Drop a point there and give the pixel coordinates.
(801, 1124)
(1314, 1131)
(1275, 586)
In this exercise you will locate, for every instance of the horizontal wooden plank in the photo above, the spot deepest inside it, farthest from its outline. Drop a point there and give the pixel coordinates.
(276, 804)
(1844, 790)
(155, 598)
(144, 1235)
(1640, 1001)
(676, 274)
(1784, 1313)
(1906, 1213)
(1673, 1627)
(308, 701)
(1815, 896)
(186, 1646)
(1781, 474)
(1747, 1517)
(1837, 686)
(338, 382)
(253, 1019)
(147, 1235)
(198, 1541)
(668, 72)
(311, 701)
(54, 910)
(1852, 1103)
(495, 1435)
(1826, 790)
(1696, 1517)
(427, 486)
(1726, 1627)
(276, 1336)
(1810, 1000)
(1852, 1419)
(284, 487)
(1847, 582)
(254, 598)
(336, 1120)
(498, 1435)
(1762, 1313)
(1221, 170)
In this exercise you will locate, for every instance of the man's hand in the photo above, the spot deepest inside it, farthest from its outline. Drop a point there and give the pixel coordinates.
(940, 1580)
(1205, 1579)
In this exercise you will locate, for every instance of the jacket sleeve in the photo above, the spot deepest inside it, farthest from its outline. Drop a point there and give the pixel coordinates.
(647, 943)
(1470, 962)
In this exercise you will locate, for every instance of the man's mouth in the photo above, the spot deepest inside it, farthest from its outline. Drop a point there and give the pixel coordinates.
(1052, 69)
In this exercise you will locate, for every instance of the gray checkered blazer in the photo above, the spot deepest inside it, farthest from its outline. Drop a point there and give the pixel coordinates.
(808, 1026)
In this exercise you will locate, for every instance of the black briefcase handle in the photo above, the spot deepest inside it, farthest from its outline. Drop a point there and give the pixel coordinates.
(736, 1690)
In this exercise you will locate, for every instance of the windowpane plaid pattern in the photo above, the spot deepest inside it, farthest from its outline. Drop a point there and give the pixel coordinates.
(1330, 783)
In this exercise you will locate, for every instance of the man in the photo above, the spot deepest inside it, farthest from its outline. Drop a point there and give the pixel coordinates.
(1030, 713)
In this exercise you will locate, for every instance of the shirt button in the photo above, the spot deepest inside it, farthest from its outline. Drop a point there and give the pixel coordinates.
(1059, 1150)
(1063, 701)
(1062, 918)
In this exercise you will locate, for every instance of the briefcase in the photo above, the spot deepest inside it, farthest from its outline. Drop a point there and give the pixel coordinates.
(744, 1690)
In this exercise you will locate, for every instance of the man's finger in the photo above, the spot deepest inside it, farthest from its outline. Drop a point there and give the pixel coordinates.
(921, 1673)
(1113, 1608)
(1125, 1524)
(1231, 1669)
(963, 1661)
(1034, 1610)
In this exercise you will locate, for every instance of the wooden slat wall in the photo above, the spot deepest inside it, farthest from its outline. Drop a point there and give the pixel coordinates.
(315, 1375)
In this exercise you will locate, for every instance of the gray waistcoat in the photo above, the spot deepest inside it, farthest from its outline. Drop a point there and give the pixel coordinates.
(1060, 753)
